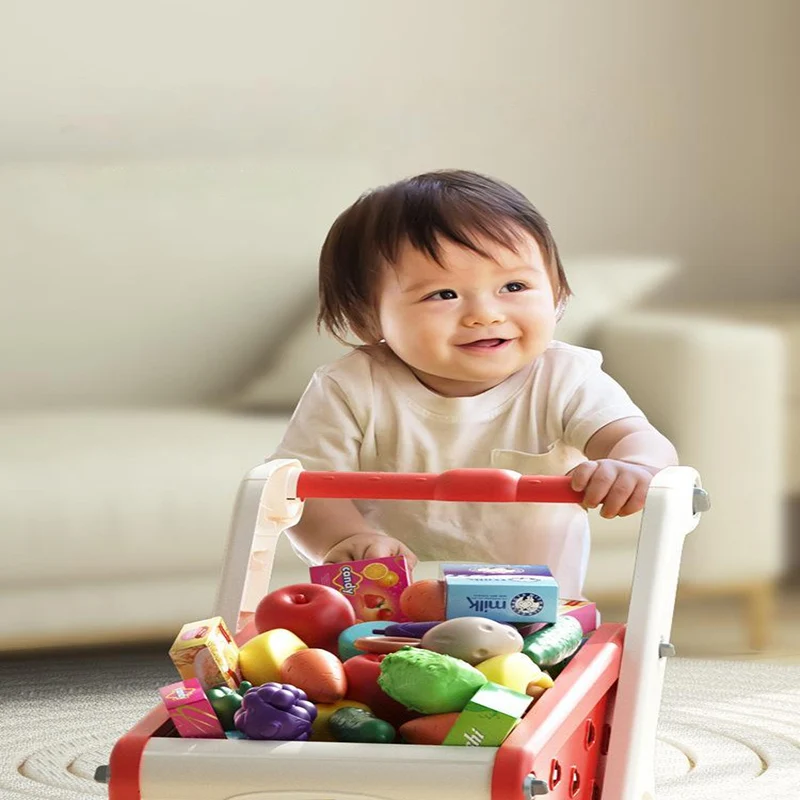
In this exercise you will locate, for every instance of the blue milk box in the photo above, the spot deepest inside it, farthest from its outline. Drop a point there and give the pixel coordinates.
(502, 597)
(493, 569)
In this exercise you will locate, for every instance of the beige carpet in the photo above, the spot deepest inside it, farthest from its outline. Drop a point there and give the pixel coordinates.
(727, 730)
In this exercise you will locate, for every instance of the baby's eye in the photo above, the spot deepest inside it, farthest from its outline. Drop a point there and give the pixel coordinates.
(514, 286)
(444, 294)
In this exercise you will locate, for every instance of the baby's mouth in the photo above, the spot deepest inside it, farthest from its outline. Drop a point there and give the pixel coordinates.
(485, 343)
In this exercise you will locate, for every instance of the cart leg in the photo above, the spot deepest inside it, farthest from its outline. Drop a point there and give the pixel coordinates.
(668, 517)
(760, 614)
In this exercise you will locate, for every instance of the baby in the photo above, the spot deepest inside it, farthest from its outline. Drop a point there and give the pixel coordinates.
(454, 283)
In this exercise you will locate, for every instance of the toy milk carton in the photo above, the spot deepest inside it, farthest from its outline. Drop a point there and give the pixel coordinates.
(493, 569)
(205, 650)
(373, 586)
(502, 596)
(190, 710)
(487, 719)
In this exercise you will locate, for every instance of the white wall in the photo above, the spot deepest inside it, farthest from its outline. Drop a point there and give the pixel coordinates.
(660, 127)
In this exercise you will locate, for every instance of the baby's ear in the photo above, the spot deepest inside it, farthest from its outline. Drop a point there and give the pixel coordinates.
(371, 333)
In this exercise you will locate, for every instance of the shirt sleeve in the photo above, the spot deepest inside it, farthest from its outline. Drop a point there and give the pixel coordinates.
(323, 433)
(596, 401)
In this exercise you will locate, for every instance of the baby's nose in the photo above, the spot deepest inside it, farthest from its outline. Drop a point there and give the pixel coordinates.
(483, 314)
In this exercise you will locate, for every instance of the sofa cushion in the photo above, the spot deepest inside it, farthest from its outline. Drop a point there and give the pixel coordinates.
(784, 315)
(602, 287)
(158, 282)
(104, 496)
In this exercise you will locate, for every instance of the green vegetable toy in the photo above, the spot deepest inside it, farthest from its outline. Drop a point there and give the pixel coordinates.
(225, 702)
(428, 682)
(351, 724)
(554, 643)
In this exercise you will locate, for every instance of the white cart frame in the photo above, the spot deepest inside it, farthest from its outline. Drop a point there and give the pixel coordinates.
(160, 767)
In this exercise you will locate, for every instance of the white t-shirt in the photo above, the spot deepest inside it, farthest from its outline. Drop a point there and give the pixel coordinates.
(368, 412)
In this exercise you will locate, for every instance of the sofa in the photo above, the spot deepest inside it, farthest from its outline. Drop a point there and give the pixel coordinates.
(158, 330)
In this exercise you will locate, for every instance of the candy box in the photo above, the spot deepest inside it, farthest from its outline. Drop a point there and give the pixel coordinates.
(488, 718)
(190, 710)
(447, 569)
(373, 586)
(503, 598)
(205, 650)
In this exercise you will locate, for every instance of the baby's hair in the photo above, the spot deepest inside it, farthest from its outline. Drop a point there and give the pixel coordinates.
(451, 204)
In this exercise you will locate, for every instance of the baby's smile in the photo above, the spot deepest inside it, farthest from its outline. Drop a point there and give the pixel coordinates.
(485, 345)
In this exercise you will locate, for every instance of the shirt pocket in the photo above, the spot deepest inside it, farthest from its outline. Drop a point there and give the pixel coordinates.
(558, 459)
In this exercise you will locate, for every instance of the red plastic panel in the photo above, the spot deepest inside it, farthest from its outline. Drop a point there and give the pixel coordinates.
(126, 757)
(560, 741)
(467, 485)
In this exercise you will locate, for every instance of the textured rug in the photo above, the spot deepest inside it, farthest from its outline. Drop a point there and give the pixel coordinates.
(727, 730)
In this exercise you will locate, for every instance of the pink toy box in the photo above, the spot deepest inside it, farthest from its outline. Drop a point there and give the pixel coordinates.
(372, 586)
(190, 711)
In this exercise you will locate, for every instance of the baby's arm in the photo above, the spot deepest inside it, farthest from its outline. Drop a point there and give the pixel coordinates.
(331, 531)
(623, 458)
(325, 434)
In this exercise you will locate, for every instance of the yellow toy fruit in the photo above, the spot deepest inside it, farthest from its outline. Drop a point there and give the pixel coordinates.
(512, 670)
(319, 727)
(261, 658)
(544, 681)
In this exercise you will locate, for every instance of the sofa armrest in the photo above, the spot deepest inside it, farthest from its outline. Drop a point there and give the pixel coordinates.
(716, 389)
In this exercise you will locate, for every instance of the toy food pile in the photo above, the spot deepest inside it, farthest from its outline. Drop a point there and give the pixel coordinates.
(363, 654)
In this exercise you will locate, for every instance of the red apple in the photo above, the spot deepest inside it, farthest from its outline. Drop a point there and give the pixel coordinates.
(316, 614)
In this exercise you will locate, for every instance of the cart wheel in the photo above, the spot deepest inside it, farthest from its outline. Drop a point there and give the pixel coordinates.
(102, 774)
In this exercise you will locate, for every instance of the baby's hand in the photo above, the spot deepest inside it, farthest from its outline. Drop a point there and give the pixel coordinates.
(618, 486)
(368, 545)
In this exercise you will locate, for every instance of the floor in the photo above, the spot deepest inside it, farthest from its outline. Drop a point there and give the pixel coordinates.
(714, 628)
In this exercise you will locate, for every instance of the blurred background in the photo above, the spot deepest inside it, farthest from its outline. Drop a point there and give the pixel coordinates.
(169, 169)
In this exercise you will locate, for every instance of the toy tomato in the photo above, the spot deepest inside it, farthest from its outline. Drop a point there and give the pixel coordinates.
(362, 686)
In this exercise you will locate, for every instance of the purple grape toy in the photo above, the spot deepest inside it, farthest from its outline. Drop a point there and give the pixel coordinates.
(275, 711)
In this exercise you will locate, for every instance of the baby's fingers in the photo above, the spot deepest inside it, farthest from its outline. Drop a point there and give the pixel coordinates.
(386, 547)
(618, 494)
(582, 474)
(599, 484)
(636, 500)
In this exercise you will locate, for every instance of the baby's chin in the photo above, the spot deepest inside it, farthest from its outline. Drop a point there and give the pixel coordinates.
(459, 383)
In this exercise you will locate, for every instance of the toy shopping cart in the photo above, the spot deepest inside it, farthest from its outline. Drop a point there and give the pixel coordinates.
(591, 736)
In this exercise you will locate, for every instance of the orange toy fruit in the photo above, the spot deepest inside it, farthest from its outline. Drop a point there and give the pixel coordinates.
(424, 601)
(318, 673)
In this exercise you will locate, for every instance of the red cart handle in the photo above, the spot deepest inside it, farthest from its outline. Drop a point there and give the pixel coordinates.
(465, 485)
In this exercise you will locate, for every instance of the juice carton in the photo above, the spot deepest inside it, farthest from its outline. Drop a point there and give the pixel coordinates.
(190, 710)
(492, 713)
(205, 650)
(503, 597)
(373, 586)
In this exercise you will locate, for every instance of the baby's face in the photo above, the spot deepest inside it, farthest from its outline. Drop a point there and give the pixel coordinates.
(465, 328)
